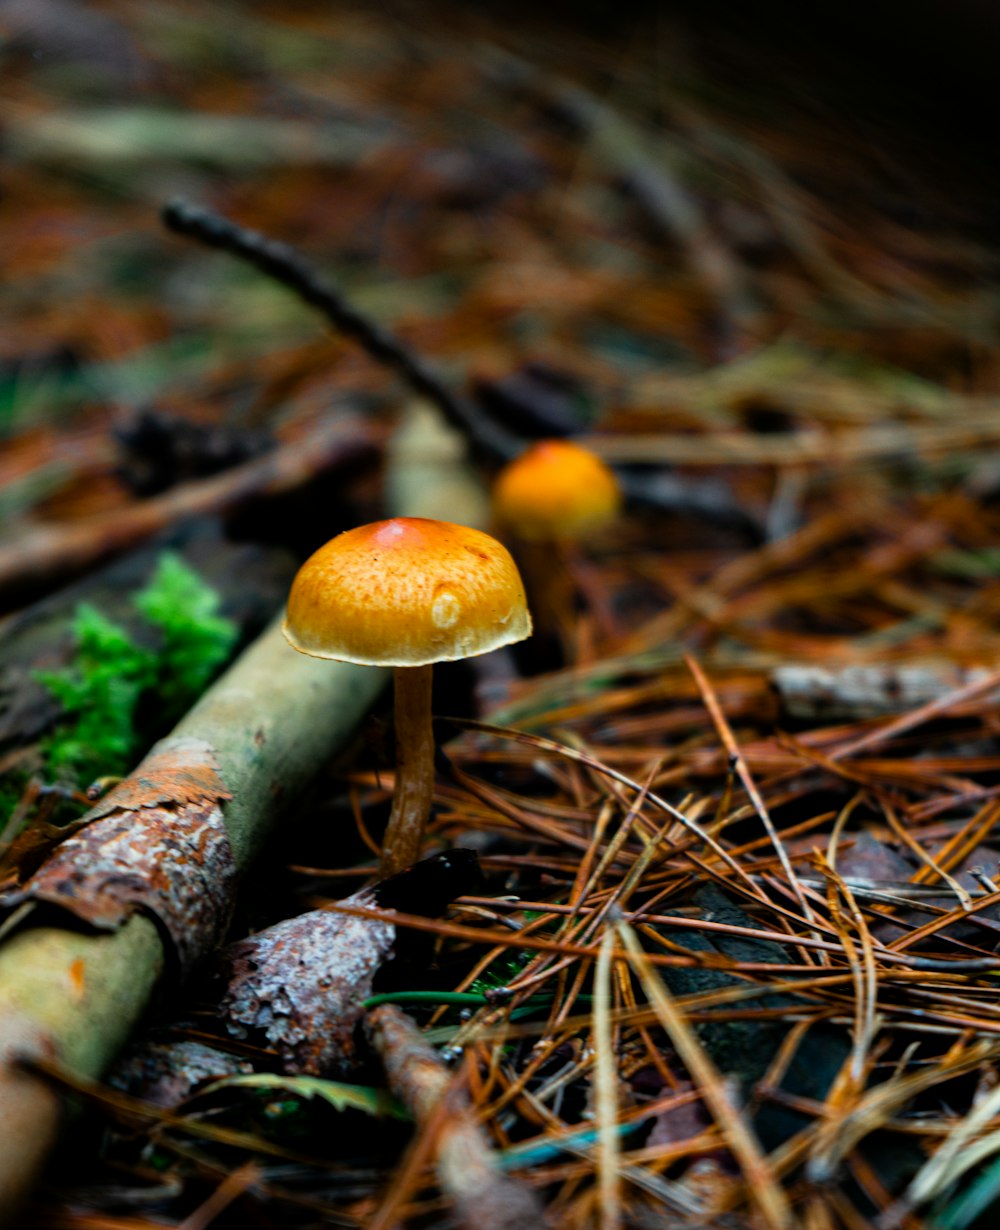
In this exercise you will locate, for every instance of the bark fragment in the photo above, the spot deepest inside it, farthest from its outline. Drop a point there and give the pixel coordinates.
(178, 770)
(301, 985)
(167, 1073)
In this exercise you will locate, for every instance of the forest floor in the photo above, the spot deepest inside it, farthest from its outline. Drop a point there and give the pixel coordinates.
(728, 958)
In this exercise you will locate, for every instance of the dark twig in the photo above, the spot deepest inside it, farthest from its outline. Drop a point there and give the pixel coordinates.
(287, 266)
(490, 442)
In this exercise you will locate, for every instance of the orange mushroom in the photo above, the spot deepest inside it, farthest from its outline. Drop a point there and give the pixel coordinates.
(407, 593)
(556, 490)
(554, 494)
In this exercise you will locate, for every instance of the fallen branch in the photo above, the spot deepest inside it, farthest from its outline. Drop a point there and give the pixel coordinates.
(269, 724)
(488, 441)
(483, 1197)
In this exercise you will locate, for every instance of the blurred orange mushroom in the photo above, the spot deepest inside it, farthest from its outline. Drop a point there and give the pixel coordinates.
(556, 490)
(553, 495)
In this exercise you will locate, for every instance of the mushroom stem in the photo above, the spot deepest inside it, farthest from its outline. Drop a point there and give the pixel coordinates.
(411, 800)
(548, 581)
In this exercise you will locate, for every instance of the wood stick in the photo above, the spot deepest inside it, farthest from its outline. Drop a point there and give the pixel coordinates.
(484, 1197)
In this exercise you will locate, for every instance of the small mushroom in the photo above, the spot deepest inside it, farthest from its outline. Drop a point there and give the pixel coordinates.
(407, 593)
(552, 496)
(556, 491)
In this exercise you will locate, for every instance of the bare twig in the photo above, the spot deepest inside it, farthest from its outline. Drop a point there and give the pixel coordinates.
(284, 264)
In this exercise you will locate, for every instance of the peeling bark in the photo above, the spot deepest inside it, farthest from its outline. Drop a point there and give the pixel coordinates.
(157, 843)
(178, 771)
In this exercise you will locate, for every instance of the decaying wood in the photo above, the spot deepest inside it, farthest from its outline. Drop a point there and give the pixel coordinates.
(661, 1019)
(297, 989)
(483, 1197)
(300, 986)
(271, 722)
(486, 438)
(156, 843)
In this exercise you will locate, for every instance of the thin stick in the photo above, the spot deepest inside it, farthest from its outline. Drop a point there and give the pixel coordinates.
(284, 264)
(606, 1091)
(743, 773)
(467, 1167)
(46, 551)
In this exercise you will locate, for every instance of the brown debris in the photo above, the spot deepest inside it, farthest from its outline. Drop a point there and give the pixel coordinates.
(301, 985)
(157, 843)
(52, 550)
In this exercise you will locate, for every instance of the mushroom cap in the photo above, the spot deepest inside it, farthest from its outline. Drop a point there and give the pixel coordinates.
(556, 489)
(407, 592)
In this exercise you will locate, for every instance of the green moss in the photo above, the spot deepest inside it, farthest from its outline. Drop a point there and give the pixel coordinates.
(100, 691)
(197, 640)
